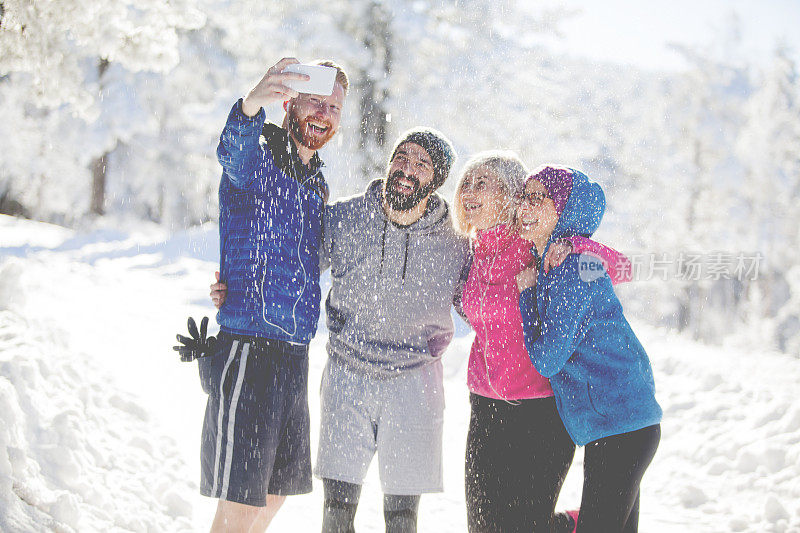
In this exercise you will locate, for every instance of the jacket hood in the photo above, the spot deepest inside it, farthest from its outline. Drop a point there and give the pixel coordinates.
(436, 213)
(584, 208)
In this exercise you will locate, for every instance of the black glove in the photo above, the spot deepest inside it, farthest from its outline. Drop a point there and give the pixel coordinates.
(198, 345)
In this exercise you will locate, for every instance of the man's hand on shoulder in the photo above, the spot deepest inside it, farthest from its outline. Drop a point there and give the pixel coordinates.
(219, 290)
(271, 88)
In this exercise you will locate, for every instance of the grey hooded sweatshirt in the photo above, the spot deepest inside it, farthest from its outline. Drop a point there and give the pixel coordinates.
(388, 309)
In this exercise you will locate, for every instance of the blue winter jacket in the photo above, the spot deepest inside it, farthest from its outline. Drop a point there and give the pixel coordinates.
(577, 336)
(270, 226)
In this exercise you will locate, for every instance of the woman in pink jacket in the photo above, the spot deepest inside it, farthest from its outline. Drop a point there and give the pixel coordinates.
(518, 451)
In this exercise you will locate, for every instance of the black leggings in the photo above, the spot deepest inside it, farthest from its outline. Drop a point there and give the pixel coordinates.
(517, 458)
(612, 472)
(341, 501)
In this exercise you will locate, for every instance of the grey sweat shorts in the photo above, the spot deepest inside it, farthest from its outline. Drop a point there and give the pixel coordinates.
(399, 417)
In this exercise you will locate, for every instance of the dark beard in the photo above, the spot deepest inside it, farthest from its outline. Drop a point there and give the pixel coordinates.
(299, 130)
(400, 202)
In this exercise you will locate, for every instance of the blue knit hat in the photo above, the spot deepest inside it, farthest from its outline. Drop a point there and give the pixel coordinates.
(439, 148)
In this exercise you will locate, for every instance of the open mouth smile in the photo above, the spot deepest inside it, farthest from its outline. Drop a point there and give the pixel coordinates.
(404, 186)
(471, 207)
(317, 128)
(528, 222)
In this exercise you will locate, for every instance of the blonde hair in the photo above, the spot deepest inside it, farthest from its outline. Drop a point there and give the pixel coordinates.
(341, 76)
(510, 170)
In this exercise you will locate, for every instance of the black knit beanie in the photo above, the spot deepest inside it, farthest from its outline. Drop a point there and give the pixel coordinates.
(438, 147)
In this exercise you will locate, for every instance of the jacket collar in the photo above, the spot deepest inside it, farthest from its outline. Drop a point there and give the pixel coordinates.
(491, 240)
(284, 153)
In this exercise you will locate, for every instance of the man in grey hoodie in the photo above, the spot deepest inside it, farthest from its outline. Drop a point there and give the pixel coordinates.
(396, 264)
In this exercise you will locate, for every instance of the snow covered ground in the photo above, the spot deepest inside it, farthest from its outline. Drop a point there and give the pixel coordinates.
(100, 421)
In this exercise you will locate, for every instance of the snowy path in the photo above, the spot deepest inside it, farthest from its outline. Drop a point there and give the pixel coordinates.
(99, 421)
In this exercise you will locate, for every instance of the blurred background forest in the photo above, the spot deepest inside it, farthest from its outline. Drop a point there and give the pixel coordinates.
(113, 109)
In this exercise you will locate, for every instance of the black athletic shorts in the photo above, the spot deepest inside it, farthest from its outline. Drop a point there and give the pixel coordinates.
(256, 429)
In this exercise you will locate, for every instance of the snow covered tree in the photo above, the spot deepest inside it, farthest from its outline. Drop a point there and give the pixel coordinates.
(373, 29)
(53, 39)
(58, 53)
(768, 146)
(706, 105)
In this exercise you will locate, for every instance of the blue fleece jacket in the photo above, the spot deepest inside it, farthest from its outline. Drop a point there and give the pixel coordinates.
(577, 336)
(270, 225)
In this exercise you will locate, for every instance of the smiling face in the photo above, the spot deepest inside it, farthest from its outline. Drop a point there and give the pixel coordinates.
(410, 177)
(313, 119)
(536, 215)
(483, 198)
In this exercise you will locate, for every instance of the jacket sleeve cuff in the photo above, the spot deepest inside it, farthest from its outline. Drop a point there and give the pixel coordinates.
(243, 123)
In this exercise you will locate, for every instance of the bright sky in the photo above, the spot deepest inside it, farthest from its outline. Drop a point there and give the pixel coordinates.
(639, 32)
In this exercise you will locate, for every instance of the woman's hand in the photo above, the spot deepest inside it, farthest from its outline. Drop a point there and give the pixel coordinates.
(526, 279)
(219, 291)
(557, 253)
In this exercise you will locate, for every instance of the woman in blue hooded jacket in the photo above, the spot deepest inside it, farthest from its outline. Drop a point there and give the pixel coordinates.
(577, 336)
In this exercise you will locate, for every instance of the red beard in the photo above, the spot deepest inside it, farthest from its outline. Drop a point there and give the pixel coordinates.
(305, 133)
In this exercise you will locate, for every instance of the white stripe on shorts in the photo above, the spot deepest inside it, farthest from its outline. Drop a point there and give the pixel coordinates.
(220, 412)
(232, 421)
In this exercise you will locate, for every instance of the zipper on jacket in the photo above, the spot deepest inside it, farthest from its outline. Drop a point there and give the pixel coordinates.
(405, 258)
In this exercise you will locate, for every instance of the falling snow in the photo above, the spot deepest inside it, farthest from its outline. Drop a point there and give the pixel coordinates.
(100, 421)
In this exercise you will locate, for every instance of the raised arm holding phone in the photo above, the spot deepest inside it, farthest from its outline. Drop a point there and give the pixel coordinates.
(256, 446)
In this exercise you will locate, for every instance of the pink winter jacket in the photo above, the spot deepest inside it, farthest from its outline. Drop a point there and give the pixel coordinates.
(499, 366)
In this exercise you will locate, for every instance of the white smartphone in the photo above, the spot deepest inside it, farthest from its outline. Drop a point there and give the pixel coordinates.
(321, 82)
